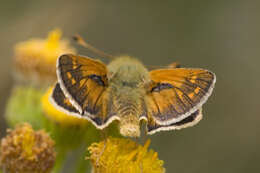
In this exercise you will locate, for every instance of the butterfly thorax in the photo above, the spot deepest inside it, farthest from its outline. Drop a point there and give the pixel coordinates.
(126, 70)
(127, 87)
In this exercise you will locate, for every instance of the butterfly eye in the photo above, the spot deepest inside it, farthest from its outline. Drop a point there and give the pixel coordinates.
(97, 79)
(161, 86)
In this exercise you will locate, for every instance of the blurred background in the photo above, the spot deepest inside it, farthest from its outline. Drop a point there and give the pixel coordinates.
(222, 36)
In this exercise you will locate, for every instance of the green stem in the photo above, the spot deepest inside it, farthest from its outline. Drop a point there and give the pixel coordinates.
(82, 165)
(60, 160)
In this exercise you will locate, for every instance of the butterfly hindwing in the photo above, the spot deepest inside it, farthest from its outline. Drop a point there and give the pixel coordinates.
(194, 118)
(174, 94)
(62, 102)
(84, 82)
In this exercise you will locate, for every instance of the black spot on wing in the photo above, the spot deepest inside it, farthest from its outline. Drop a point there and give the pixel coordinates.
(161, 86)
(97, 79)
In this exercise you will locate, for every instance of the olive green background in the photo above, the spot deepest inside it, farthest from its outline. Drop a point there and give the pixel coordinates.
(222, 36)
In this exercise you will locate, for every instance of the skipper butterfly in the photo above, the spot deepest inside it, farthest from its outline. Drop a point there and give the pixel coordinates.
(124, 90)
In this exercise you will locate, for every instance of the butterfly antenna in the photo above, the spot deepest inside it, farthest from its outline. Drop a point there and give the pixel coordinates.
(83, 43)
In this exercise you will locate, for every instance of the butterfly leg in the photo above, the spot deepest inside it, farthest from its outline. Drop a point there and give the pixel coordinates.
(143, 137)
(103, 137)
(103, 134)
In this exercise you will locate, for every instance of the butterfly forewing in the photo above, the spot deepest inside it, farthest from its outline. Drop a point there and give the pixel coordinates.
(174, 94)
(84, 82)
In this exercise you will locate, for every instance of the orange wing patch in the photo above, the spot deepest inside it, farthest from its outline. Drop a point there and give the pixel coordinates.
(174, 94)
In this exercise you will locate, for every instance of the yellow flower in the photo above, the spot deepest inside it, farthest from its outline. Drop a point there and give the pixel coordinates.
(26, 150)
(119, 155)
(35, 59)
(53, 113)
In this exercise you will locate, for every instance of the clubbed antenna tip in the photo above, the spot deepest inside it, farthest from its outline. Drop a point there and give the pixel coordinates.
(83, 43)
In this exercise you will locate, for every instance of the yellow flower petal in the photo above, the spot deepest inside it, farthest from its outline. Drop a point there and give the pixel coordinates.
(52, 42)
(119, 155)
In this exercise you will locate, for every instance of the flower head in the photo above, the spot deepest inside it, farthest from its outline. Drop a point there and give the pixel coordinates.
(120, 155)
(26, 150)
(35, 59)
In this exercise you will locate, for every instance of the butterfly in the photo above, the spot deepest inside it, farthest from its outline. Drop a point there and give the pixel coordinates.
(125, 91)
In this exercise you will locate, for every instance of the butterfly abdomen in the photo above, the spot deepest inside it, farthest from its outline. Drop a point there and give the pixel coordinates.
(128, 106)
(129, 124)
